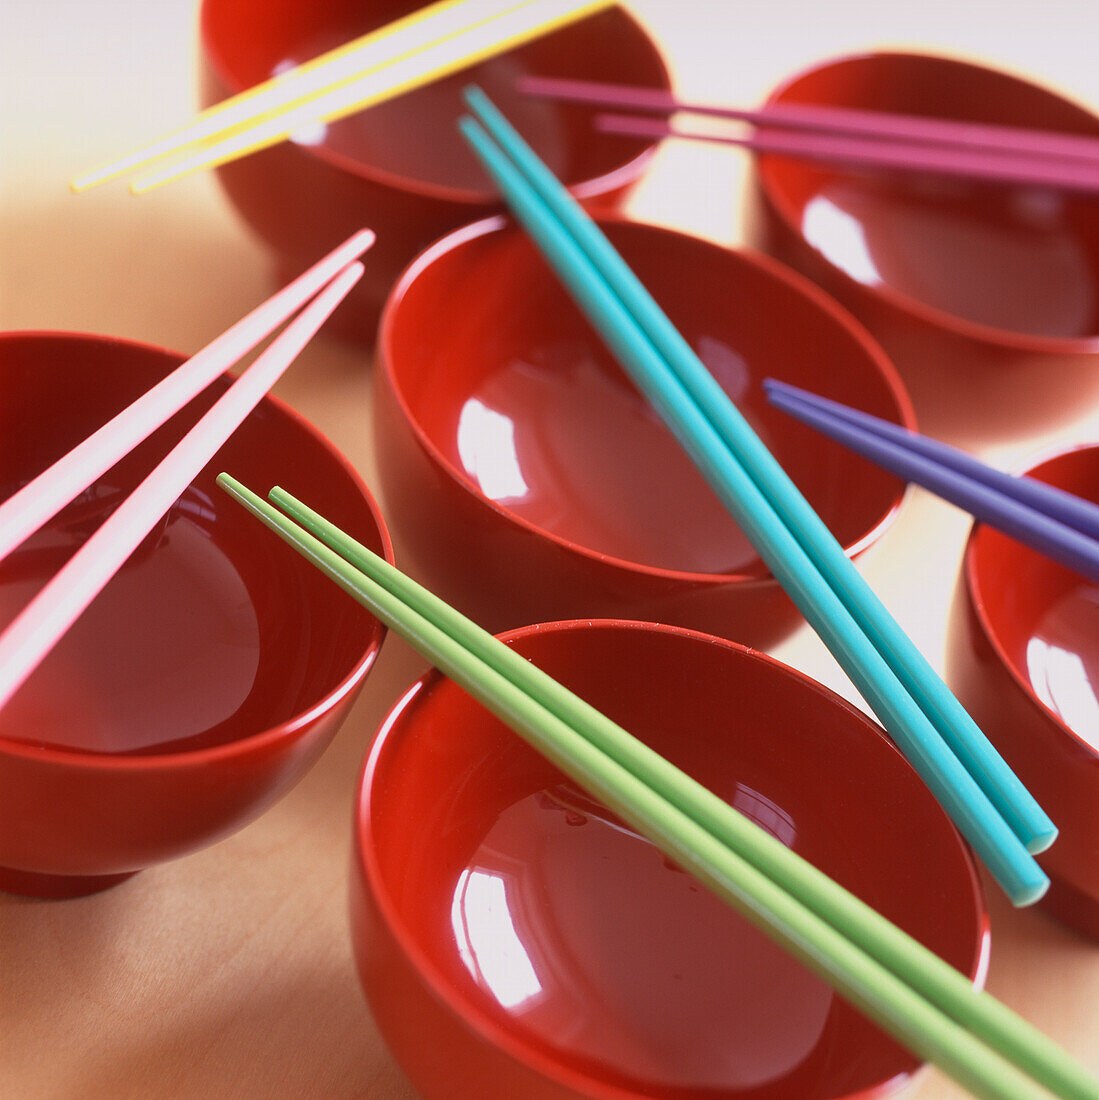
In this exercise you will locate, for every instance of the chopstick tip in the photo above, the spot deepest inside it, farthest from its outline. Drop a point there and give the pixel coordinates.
(473, 93)
(1042, 841)
(1030, 896)
(278, 495)
(472, 130)
(229, 483)
(363, 239)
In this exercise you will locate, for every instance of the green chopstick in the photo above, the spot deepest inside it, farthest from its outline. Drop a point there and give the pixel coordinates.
(952, 784)
(1002, 786)
(906, 988)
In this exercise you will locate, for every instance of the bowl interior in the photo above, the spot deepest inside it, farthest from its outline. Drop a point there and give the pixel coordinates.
(1021, 259)
(249, 41)
(550, 926)
(1044, 617)
(212, 631)
(515, 394)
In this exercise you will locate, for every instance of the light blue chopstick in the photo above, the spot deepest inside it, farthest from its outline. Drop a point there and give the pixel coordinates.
(955, 788)
(1019, 506)
(1022, 813)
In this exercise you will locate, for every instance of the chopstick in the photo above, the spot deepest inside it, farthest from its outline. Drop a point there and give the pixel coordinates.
(40, 625)
(856, 137)
(978, 790)
(392, 42)
(859, 152)
(1062, 526)
(816, 117)
(401, 57)
(906, 988)
(39, 500)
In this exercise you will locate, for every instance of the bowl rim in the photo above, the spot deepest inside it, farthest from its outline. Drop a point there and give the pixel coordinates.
(909, 306)
(976, 597)
(767, 265)
(589, 187)
(165, 761)
(485, 1027)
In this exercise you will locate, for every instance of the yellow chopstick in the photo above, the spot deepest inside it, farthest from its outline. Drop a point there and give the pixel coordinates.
(495, 36)
(367, 53)
(422, 48)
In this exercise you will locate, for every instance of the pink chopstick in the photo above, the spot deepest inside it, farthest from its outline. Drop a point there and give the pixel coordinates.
(883, 125)
(1008, 168)
(38, 501)
(39, 626)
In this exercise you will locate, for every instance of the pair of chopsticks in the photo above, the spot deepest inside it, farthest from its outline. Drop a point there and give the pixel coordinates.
(42, 623)
(920, 999)
(850, 136)
(1061, 525)
(425, 46)
(978, 790)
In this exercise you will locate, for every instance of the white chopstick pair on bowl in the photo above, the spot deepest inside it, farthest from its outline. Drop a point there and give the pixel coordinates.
(41, 624)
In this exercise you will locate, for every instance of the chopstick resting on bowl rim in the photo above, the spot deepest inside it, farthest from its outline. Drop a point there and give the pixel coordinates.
(985, 799)
(425, 46)
(920, 999)
(27, 639)
(40, 499)
(851, 136)
(1060, 525)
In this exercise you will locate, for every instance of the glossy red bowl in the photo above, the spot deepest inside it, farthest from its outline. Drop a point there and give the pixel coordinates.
(1023, 656)
(212, 670)
(986, 296)
(526, 479)
(401, 167)
(516, 939)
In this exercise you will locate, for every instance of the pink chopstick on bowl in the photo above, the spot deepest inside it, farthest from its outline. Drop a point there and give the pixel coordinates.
(997, 153)
(39, 626)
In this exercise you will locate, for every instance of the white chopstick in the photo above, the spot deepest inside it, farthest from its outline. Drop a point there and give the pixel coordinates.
(39, 626)
(39, 500)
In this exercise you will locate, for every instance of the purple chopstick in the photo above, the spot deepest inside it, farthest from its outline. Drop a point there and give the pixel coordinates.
(836, 120)
(1076, 512)
(1052, 521)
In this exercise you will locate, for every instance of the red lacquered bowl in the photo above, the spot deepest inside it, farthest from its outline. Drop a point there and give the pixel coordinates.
(527, 479)
(401, 167)
(212, 670)
(515, 939)
(1023, 657)
(984, 295)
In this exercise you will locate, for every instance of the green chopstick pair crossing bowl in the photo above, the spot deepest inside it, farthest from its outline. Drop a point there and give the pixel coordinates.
(926, 1004)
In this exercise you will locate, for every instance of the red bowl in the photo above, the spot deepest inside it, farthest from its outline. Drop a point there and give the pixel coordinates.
(515, 939)
(527, 479)
(212, 670)
(985, 296)
(401, 167)
(1023, 656)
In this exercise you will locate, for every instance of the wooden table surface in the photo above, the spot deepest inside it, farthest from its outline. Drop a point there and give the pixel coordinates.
(229, 973)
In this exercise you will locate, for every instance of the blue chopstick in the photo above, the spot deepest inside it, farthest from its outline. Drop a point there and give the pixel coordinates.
(952, 784)
(1063, 526)
(1003, 788)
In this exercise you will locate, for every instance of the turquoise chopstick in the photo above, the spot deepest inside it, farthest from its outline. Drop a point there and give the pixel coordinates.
(996, 843)
(1004, 789)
